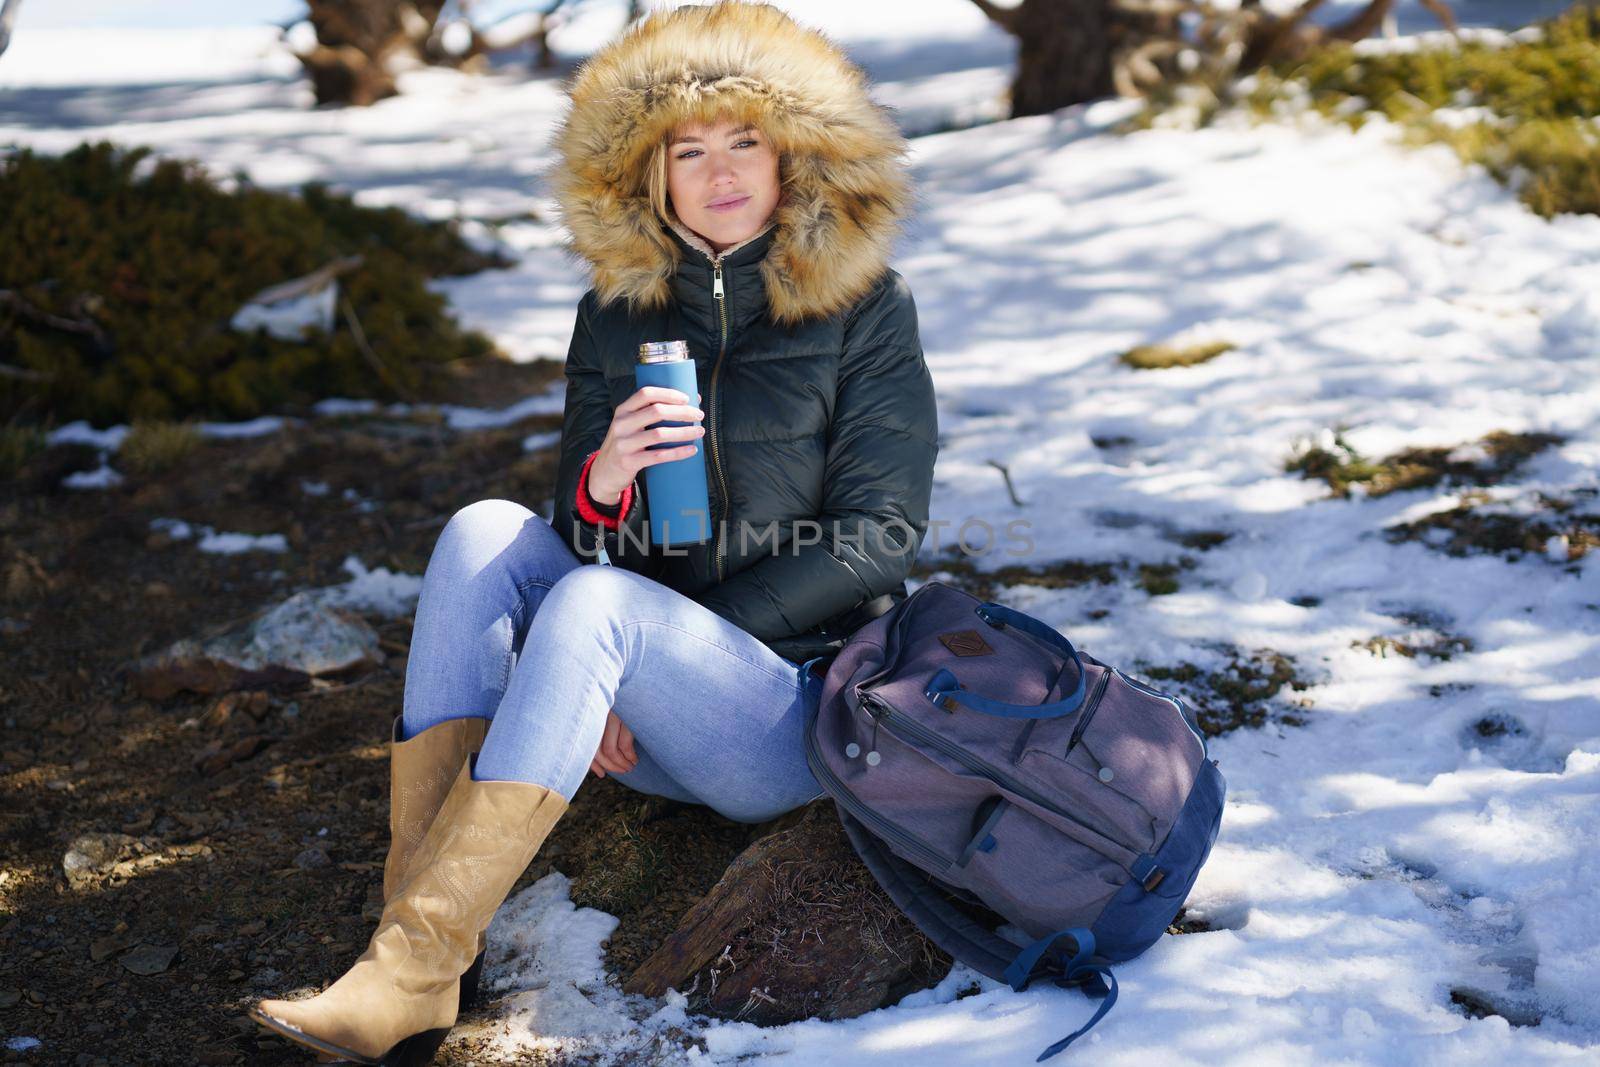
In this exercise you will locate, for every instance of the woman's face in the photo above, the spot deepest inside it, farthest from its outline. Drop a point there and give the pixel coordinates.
(722, 181)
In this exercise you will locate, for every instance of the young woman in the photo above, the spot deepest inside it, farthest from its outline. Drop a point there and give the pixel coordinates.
(730, 184)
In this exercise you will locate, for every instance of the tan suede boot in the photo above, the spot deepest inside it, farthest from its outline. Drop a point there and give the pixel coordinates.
(421, 771)
(396, 1005)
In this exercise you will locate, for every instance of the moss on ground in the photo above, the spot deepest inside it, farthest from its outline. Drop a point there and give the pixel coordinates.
(1561, 529)
(958, 569)
(1163, 356)
(1429, 643)
(1158, 579)
(1499, 454)
(123, 271)
(1242, 692)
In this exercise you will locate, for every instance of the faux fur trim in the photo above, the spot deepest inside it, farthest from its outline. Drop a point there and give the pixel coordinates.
(845, 190)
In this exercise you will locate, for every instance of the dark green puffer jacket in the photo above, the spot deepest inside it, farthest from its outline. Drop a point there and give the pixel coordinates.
(819, 408)
(831, 420)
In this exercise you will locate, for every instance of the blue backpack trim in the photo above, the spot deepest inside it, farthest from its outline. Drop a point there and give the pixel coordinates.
(946, 692)
(1136, 917)
(1081, 969)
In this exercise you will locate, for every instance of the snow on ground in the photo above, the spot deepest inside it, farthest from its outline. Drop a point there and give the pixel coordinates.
(1385, 853)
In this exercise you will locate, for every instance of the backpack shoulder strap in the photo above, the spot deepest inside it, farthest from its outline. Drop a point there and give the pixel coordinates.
(985, 951)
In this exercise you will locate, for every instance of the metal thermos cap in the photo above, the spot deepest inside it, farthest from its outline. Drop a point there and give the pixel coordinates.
(663, 351)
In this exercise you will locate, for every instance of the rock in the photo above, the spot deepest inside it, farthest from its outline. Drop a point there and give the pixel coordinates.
(287, 644)
(149, 959)
(139, 825)
(311, 859)
(104, 947)
(92, 855)
(219, 756)
(796, 928)
(69, 725)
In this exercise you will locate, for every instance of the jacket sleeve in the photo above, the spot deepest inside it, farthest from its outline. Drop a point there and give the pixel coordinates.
(877, 480)
(584, 422)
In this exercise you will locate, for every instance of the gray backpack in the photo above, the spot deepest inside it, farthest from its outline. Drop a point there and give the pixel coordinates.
(973, 752)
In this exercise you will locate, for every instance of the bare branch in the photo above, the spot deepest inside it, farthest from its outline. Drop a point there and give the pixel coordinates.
(83, 324)
(306, 283)
(1441, 11)
(1004, 17)
(1160, 7)
(8, 19)
(1272, 34)
(24, 374)
(377, 364)
(1005, 473)
(1363, 23)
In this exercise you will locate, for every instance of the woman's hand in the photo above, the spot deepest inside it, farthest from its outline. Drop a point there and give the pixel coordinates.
(626, 450)
(616, 748)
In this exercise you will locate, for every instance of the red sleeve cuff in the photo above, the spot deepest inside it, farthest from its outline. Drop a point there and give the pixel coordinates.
(587, 507)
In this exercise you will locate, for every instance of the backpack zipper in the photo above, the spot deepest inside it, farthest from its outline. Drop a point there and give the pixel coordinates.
(720, 297)
(908, 729)
(1090, 706)
(1089, 709)
(1177, 706)
(931, 859)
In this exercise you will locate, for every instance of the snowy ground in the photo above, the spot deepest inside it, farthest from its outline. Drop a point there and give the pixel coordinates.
(1370, 861)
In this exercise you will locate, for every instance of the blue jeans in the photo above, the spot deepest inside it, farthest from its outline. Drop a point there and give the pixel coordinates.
(511, 626)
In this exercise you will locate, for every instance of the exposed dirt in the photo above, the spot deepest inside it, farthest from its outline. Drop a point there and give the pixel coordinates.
(167, 863)
(254, 871)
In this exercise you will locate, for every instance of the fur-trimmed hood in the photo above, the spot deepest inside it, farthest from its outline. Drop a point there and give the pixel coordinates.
(845, 191)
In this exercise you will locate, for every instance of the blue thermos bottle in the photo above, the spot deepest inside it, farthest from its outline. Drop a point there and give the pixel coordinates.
(680, 510)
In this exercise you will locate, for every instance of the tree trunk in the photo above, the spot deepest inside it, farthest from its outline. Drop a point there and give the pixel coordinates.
(1063, 55)
(355, 39)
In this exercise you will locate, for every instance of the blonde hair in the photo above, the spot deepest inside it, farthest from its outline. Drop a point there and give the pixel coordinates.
(656, 180)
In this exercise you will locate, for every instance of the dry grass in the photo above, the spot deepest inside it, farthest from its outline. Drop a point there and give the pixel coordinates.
(1163, 356)
(154, 446)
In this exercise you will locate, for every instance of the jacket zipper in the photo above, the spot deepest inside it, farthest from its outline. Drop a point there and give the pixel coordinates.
(720, 297)
(931, 858)
(909, 730)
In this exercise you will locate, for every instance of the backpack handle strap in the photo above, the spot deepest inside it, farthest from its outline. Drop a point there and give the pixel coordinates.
(946, 692)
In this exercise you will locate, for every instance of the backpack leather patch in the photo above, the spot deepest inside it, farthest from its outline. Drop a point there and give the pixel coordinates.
(966, 643)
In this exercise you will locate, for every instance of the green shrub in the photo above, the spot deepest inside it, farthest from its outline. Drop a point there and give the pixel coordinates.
(18, 444)
(123, 273)
(1541, 98)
